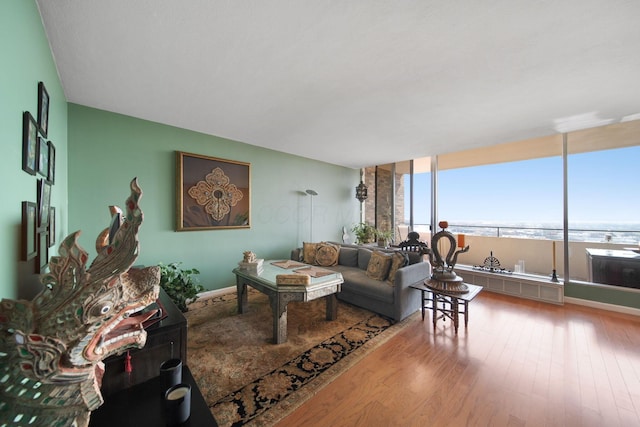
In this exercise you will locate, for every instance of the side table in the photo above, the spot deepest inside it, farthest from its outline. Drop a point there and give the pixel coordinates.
(458, 303)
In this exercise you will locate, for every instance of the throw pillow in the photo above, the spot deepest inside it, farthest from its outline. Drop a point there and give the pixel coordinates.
(309, 252)
(364, 256)
(327, 254)
(398, 260)
(348, 257)
(378, 267)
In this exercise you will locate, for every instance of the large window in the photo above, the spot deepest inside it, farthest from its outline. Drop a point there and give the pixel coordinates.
(413, 208)
(508, 201)
(604, 204)
(503, 193)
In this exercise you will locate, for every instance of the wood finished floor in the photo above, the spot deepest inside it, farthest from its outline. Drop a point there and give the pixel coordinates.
(519, 363)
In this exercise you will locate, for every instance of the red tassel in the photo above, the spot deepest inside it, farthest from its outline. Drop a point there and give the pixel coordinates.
(127, 363)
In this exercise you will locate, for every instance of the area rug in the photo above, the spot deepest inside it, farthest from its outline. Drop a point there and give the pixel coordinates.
(247, 380)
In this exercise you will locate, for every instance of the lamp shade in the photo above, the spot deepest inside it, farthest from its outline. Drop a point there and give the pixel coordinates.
(361, 192)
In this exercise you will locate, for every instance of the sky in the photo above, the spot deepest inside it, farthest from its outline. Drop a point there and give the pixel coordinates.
(603, 188)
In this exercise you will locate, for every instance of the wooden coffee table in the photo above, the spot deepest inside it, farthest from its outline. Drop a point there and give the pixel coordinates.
(280, 295)
(449, 305)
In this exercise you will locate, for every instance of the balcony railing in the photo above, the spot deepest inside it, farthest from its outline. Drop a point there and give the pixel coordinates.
(619, 236)
(534, 246)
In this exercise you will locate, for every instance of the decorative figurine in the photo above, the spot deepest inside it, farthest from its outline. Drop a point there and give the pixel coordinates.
(443, 269)
(51, 348)
(251, 263)
(443, 276)
(249, 257)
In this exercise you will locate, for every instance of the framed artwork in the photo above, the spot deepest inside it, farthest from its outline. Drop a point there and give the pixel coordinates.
(44, 202)
(43, 157)
(29, 144)
(43, 109)
(29, 230)
(212, 193)
(51, 230)
(43, 253)
(51, 175)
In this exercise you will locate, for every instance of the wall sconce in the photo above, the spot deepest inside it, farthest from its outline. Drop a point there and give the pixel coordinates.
(361, 192)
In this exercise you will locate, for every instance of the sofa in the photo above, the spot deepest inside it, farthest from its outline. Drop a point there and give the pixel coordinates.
(365, 283)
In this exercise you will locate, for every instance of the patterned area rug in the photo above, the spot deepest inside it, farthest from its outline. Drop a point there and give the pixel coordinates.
(247, 380)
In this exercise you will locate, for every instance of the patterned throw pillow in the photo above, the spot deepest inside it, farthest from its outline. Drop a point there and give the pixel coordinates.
(378, 267)
(398, 260)
(309, 252)
(327, 254)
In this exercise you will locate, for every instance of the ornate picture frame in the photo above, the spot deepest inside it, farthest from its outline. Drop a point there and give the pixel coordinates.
(43, 109)
(29, 144)
(29, 230)
(212, 193)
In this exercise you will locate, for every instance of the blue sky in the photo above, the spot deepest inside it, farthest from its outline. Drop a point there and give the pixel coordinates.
(603, 187)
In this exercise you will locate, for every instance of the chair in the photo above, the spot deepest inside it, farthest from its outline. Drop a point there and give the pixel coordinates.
(414, 244)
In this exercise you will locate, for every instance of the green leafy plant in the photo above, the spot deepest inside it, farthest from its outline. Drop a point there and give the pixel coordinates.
(365, 233)
(384, 237)
(180, 284)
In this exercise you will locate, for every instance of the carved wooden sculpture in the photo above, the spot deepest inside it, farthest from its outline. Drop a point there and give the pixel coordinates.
(51, 348)
(443, 268)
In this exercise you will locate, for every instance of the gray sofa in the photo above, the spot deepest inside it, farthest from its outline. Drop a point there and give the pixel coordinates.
(395, 301)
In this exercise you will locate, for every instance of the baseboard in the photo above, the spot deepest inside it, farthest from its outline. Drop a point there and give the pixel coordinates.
(602, 306)
(217, 292)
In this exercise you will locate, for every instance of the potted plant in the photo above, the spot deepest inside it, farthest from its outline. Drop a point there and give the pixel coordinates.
(364, 232)
(384, 237)
(181, 285)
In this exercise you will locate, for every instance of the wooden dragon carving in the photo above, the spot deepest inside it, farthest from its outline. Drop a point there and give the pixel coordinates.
(51, 348)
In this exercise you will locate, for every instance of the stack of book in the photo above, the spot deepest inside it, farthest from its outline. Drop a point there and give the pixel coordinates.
(252, 267)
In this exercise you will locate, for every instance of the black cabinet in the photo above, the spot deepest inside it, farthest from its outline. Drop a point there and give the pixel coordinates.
(141, 406)
(614, 267)
(166, 339)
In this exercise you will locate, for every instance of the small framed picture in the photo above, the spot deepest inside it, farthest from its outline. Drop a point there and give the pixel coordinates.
(43, 157)
(43, 109)
(44, 202)
(51, 176)
(51, 230)
(29, 144)
(29, 230)
(43, 253)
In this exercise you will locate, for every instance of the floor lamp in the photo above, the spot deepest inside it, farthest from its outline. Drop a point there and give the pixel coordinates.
(311, 193)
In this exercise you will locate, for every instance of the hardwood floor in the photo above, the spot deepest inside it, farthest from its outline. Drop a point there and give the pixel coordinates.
(519, 363)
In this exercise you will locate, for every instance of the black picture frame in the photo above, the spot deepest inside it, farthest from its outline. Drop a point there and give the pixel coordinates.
(43, 157)
(43, 109)
(29, 230)
(44, 202)
(29, 143)
(43, 253)
(51, 229)
(51, 176)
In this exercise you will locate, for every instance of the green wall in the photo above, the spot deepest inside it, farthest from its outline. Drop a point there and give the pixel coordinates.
(26, 60)
(106, 150)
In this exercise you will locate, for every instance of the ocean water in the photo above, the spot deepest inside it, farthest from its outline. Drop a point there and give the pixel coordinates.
(620, 233)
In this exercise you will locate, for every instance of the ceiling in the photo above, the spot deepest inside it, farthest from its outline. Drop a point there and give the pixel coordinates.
(354, 83)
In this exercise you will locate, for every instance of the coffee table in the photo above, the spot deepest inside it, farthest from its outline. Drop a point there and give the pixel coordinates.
(280, 295)
(458, 303)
